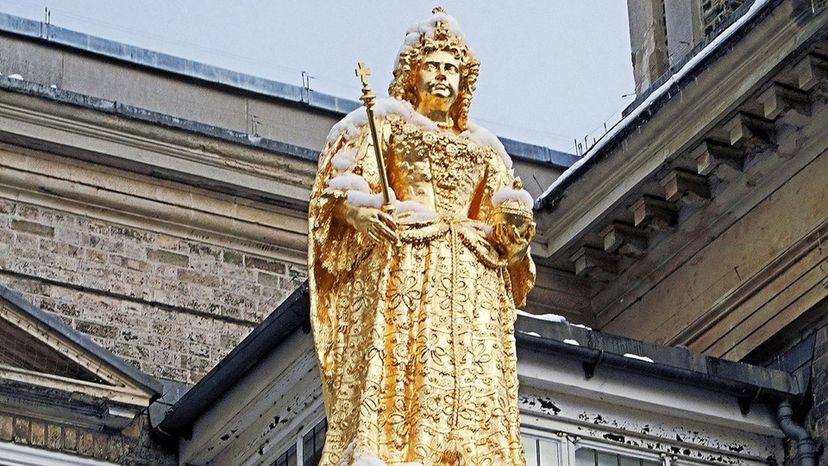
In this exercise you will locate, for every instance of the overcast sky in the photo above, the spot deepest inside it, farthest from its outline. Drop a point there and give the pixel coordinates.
(551, 70)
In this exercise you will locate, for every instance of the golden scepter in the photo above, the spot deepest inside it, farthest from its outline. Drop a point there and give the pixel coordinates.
(367, 99)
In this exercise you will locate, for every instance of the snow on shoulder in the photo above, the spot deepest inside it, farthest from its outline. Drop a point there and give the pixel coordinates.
(350, 125)
(353, 121)
(483, 137)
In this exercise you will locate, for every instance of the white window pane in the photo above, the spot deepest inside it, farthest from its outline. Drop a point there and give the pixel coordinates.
(627, 461)
(531, 446)
(607, 459)
(584, 457)
(550, 453)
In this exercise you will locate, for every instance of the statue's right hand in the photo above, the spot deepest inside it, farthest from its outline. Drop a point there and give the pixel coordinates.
(374, 223)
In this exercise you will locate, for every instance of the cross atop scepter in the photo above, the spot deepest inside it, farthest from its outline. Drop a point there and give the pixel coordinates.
(363, 72)
(368, 96)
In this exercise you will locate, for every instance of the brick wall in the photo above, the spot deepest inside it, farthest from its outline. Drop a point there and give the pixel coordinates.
(170, 306)
(133, 446)
(818, 417)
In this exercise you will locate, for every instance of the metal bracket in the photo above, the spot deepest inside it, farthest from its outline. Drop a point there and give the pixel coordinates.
(589, 367)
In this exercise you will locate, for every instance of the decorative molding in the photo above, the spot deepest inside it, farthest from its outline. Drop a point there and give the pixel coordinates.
(694, 334)
(625, 239)
(120, 390)
(145, 148)
(146, 204)
(19, 455)
(684, 119)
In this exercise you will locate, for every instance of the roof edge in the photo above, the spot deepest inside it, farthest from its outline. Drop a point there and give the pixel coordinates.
(119, 51)
(655, 99)
(746, 381)
(40, 31)
(670, 363)
(283, 321)
(139, 378)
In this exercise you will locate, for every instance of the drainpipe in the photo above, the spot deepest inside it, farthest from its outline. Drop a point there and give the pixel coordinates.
(805, 447)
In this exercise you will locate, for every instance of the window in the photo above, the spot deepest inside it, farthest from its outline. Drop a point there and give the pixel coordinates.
(287, 458)
(307, 451)
(565, 449)
(592, 457)
(312, 443)
(541, 451)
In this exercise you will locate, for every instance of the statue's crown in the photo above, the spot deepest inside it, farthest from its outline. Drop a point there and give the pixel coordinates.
(442, 37)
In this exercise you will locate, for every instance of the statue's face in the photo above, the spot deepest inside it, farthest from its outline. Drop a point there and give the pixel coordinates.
(439, 79)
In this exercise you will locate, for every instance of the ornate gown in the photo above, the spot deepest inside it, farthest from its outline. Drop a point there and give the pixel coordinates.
(415, 341)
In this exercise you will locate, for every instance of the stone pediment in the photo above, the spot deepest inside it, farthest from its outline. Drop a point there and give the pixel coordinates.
(40, 352)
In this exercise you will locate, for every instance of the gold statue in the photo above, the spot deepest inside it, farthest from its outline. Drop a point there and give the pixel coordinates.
(413, 293)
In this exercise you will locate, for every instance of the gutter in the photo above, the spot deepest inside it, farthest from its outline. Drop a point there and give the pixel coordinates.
(593, 359)
(595, 349)
(806, 451)
(177, 421)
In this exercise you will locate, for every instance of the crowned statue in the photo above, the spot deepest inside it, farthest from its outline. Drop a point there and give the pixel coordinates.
(418, 257)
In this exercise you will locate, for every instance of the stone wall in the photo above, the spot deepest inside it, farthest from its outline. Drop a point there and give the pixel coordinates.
(132, 446)
(818, 417)
(172, 307)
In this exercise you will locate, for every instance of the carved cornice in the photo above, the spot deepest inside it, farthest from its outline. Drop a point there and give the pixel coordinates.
(625, 222)
(696, 111)
(147, 148)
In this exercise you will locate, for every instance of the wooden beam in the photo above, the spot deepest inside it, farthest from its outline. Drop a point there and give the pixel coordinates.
(810, 71)
(624, 239)
(686, 187)
(721, 160)
(653, 213)
(749, 132)
(594, 263)
(787, 102)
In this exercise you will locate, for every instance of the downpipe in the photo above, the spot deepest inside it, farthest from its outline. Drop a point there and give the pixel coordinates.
(805, 446)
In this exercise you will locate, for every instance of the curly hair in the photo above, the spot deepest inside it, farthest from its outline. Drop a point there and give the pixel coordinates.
(419, 44)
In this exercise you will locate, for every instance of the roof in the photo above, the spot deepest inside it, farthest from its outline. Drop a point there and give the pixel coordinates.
(595, 349)
(113, 50)
(663, 90)
(123, 110)
(57, 326)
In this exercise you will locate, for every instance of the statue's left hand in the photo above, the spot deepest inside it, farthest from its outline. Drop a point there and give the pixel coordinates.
(512, 241)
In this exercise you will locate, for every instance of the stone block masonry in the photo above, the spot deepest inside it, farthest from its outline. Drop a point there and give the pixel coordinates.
(170, 306)
(133, 446)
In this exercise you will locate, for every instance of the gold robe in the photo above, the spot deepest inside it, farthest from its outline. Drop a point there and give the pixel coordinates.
(415, 341)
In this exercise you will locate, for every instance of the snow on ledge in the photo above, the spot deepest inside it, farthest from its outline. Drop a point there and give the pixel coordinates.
(640, 358)
(545, 317)
(569, 341)
(655, 95)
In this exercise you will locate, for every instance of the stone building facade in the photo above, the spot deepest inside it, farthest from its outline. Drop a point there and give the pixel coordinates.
(155, 206)
(153, 228)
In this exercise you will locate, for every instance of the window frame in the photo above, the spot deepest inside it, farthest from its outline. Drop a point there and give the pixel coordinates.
(315, 420)
(571, 442)
(12, 454)
(598, 445)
